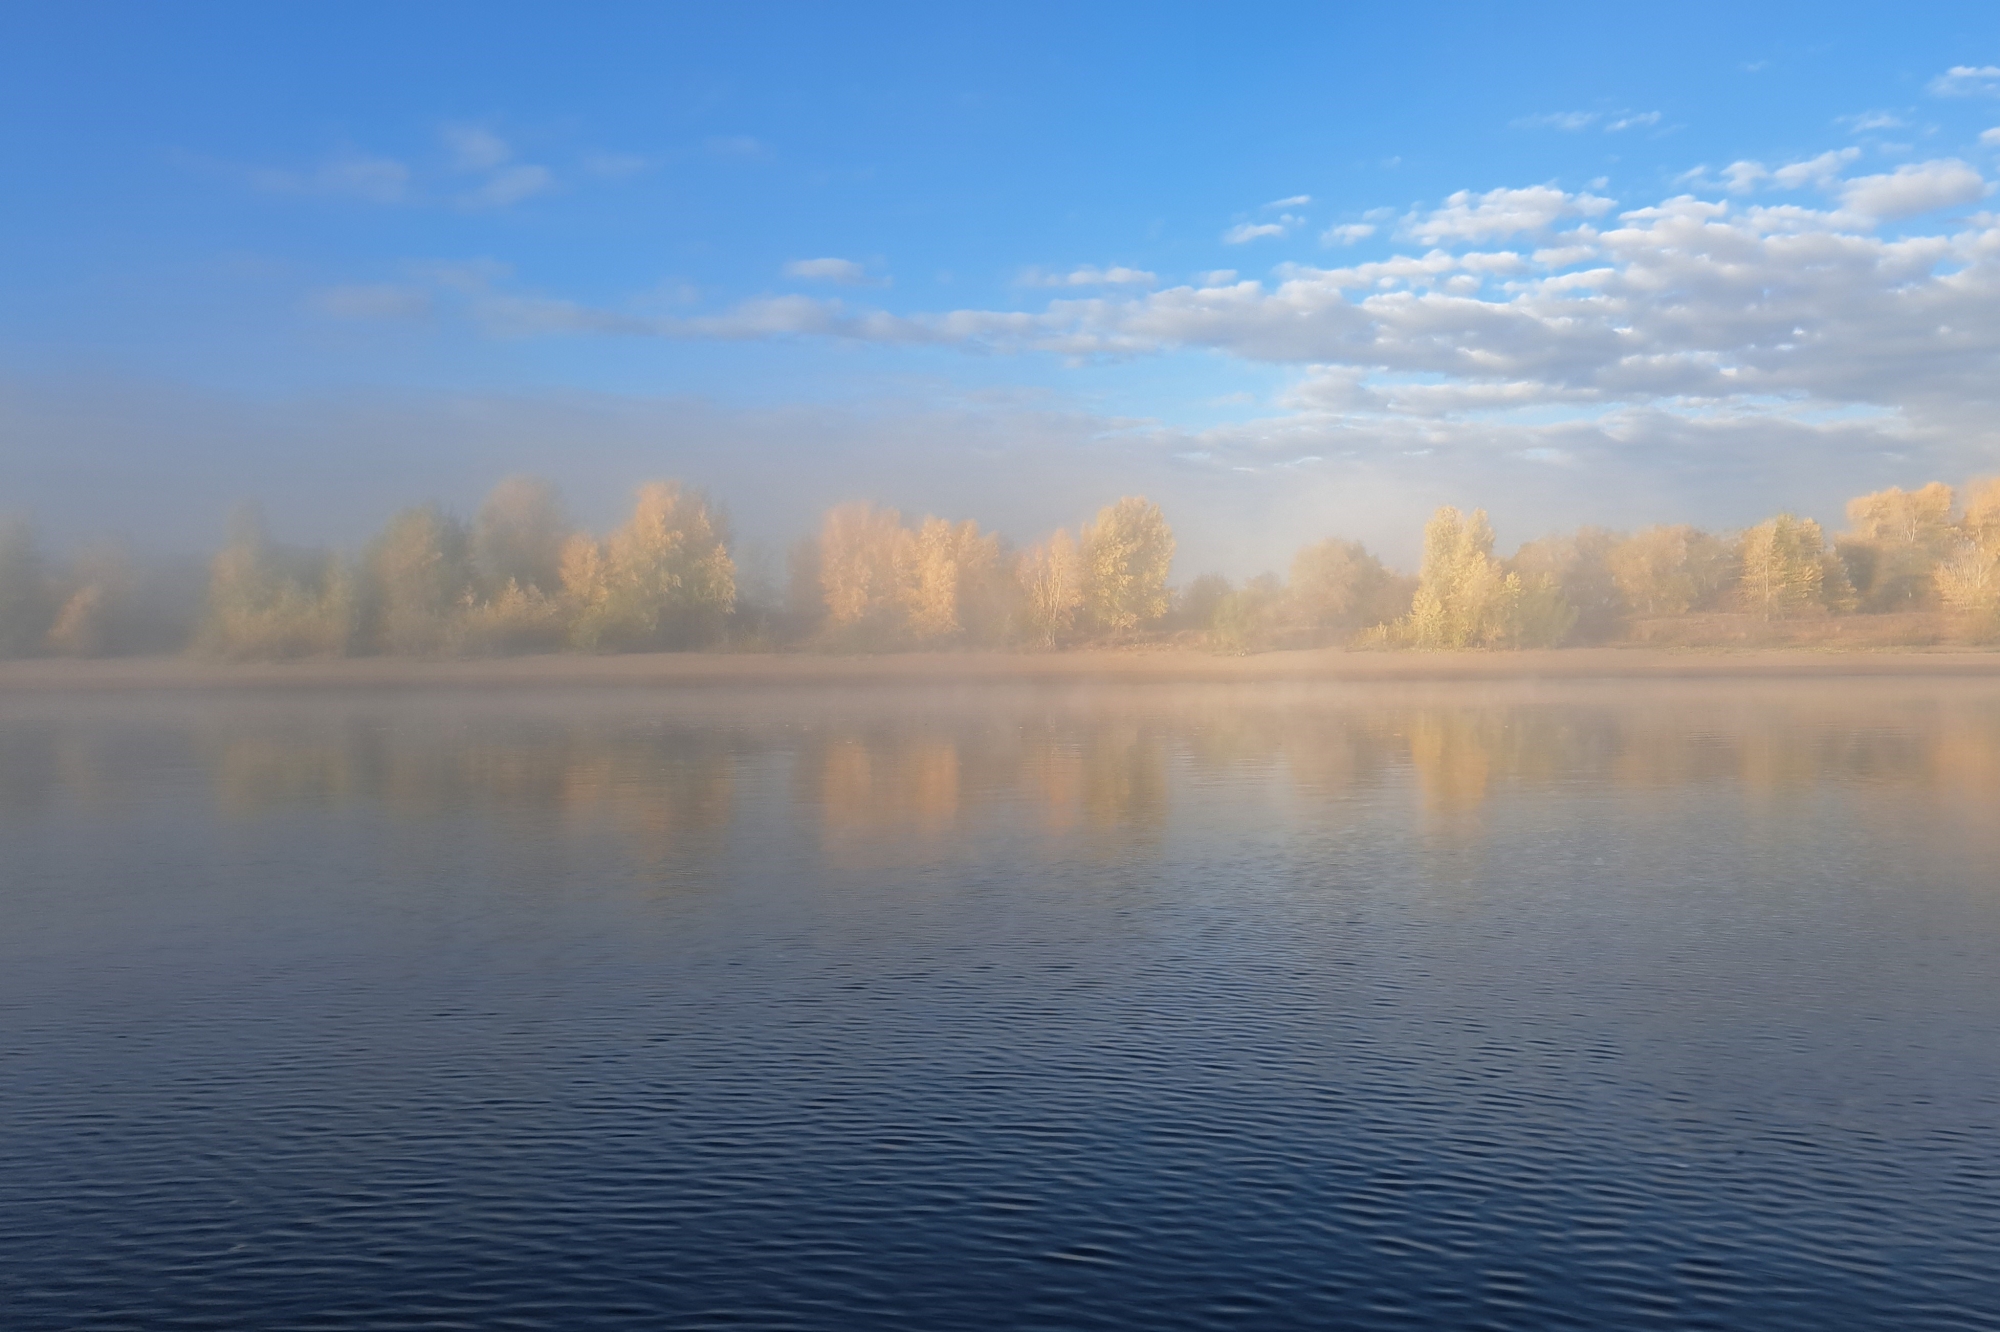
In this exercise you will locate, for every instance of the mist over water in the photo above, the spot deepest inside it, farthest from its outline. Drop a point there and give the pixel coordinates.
(1514, 1005)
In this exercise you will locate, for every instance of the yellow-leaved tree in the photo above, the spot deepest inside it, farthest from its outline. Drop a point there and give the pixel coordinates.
(663, 580)
(1784, 567)
(516, 553)
(1671, 570)
(1968, 577)
(1466, 598)
(945, 574)
(857, 573)
(1893, 545)
(1339, 589)
(1127, 552)
(418, 578)
(1051, 577)
(266, 600)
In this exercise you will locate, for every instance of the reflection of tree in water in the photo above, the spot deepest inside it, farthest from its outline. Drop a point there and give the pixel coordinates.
(887, 780)
(1124, 777)
(930, 780)
(1118, 765)
(652, 784)
(1453, 755)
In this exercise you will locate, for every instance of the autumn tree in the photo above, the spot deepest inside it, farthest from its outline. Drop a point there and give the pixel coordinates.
(1981, 523)
(267, 600)
(1577, 566)
(95, 605)
(945, 580)
(1894, 542)
(1968, 577)
(517, 536)
(418, 577)
(1127, 552)
(1194, 605)
(1338, 587)
(858, 545)
(1248, 618)
(1671, 570)
(664, 579)
(1466, 598)
(1783, 567)
(1051, 579)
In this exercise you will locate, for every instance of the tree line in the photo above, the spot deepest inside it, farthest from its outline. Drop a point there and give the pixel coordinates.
(519, 577)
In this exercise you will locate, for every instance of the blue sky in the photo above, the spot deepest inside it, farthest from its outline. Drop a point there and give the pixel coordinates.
(1294, 270)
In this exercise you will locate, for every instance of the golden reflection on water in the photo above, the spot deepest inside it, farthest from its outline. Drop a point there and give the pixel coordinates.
(921, 770)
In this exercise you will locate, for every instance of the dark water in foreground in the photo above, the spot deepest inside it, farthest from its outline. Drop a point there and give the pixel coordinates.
(1157, 1008)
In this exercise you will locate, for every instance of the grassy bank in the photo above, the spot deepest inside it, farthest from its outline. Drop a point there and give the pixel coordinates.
(1161, 665)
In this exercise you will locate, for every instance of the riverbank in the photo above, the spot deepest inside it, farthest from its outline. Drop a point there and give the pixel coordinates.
(1145, 665)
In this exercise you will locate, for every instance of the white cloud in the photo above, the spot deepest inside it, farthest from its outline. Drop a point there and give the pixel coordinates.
(1820, 171)
(844, 271)
(1698, 327)
(1920, 187)
(1633, 120)
(1743, 177)
(1296, 201)
(1498, 214)
(1244, 232)
(1865, 121)
(1967, 81)
(1991, 138)
(510, 185)
(474, 148)
(1347, 233)
(1558, 120)
(1573, 121)
(1746, 177)
(1089, 275)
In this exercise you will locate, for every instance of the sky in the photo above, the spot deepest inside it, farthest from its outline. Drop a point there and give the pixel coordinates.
(1294, 271)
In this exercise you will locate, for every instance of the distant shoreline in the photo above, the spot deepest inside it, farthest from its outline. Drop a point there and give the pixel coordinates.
(1135, 666)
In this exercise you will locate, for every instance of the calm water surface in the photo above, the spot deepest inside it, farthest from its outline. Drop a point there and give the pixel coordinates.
(1504, 1007)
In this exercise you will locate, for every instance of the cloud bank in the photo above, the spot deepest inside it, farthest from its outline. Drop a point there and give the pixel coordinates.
(1776, 335)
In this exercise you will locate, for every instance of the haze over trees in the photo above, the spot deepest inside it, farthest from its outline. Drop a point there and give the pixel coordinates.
(1912, 566)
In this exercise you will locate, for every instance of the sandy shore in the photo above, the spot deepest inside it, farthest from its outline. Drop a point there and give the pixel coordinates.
(1136, 666)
